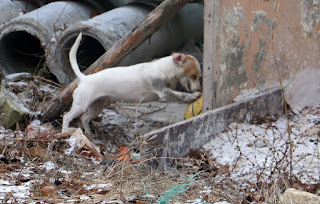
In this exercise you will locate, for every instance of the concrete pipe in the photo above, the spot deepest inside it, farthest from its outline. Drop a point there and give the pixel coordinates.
(106, 5)
(26, 40)
(11, 9)
(101, 32)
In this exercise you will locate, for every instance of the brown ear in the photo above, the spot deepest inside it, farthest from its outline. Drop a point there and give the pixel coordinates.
(178, 58)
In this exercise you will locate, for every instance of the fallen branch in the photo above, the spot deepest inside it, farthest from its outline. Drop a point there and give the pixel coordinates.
(167, 9)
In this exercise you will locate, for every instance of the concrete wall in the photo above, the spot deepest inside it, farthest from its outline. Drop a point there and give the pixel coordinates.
(253, 39)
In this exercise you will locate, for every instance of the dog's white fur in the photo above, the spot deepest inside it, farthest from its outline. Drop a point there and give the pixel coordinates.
(142, 82)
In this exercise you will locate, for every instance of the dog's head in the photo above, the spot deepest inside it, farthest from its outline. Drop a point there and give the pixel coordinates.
(191, 70)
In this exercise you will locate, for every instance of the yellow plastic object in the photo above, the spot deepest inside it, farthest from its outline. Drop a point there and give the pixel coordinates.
(194, 108)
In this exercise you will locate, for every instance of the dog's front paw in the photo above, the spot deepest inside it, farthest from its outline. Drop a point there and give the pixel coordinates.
(192, 97)
(162, 100)
(63, 130)
(67, 129)
(196, 94)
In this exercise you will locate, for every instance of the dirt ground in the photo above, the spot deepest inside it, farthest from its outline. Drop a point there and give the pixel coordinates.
(248, 163)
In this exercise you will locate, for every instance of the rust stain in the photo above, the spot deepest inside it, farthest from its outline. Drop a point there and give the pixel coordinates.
(266, 31)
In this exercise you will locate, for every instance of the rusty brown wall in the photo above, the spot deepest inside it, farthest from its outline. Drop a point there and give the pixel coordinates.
(258, 37)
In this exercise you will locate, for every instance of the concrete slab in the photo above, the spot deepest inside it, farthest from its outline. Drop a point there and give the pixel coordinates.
(174, 141)
(304, 89)
(166, 113)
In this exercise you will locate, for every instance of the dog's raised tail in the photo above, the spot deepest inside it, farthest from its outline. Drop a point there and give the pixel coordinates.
(73, 57)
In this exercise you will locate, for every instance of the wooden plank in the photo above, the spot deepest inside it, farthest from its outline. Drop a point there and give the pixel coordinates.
(211, 69)
(167, 144)
(117, 52)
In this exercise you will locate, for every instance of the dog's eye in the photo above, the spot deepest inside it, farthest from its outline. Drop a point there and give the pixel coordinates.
(194, 77)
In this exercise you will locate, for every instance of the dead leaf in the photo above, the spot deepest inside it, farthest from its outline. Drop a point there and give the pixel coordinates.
(124, 154)
(71, 189)
(3, 170)
(224, 169)
(194, 108)
(208, 198)
(34, 131)
(195, 154)
(82, 142)
(48, 191)
(80, 138)
(37, 151)
(140, 202)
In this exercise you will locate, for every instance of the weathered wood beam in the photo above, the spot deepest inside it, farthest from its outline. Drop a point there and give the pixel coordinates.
(160, 15)
(211, 68)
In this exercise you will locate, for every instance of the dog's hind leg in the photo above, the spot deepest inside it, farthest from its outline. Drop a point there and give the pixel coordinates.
(93, 111)
(76, 111)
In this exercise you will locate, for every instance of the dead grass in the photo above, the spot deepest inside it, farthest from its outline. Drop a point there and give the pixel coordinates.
(71, 175)
(25, 154)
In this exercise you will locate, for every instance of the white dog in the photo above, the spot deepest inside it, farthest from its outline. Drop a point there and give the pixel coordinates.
(142, 82)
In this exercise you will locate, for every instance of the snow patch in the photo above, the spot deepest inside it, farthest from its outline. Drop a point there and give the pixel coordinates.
(251, 149)
(49, 165)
